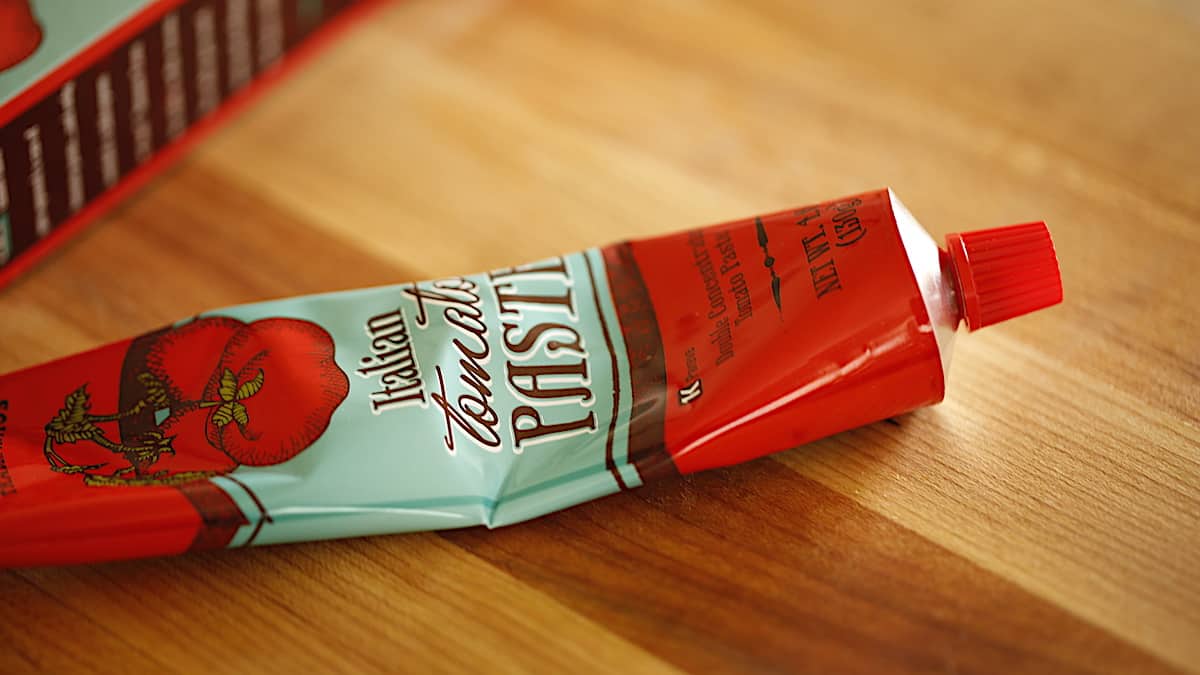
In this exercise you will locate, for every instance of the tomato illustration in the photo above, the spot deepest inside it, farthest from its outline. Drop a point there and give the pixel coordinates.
(202, 399)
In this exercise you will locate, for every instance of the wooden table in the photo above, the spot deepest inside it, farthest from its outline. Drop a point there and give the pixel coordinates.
(1046, 517)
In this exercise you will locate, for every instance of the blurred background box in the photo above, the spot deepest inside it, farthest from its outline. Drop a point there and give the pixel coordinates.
(98, 96)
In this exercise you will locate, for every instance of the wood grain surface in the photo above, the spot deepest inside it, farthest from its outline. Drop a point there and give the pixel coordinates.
(1045, 518)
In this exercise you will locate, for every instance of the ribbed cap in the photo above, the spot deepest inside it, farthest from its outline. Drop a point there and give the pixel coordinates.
(1004, 272)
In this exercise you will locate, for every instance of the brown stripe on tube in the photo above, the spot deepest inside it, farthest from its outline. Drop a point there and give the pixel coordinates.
(221, 515)
(609, 462)
(647, 372)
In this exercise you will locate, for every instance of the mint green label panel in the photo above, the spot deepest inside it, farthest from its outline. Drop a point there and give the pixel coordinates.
(67, 27)
(480, 400)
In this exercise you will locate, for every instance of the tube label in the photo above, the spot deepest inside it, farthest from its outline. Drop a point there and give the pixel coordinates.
(481, 399)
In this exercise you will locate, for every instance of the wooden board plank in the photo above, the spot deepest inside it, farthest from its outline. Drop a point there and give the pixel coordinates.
(1044, 518)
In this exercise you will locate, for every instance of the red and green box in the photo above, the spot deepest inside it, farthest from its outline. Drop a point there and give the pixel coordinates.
(98, 96)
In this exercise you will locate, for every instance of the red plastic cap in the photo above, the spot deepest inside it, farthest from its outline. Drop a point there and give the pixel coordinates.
(1004, 272)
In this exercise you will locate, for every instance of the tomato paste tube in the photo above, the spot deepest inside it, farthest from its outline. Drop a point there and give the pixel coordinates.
(494, 398)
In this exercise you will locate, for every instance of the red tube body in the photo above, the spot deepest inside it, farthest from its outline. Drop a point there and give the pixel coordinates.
(779, 330)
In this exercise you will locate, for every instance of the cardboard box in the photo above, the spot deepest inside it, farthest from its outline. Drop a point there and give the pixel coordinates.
(98, 96)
